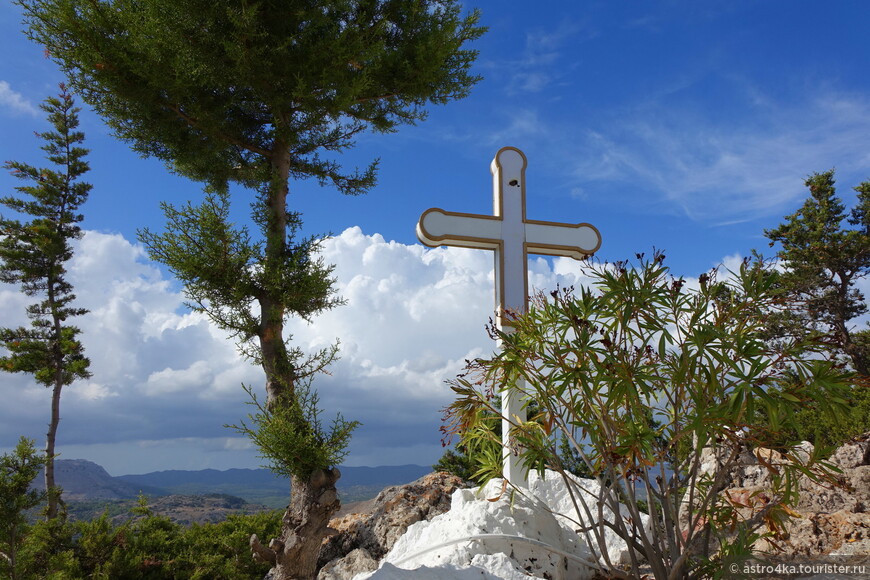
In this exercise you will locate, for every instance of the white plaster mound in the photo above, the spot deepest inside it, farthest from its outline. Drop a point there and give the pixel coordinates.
(450, 546)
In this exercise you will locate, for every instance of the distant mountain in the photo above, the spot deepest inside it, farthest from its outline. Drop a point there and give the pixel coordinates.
(263, 486)
(388, 475)
(83, 480)
(382, 476)
(208, 479)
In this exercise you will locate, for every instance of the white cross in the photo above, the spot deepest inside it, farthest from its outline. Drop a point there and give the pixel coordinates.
(512, 237)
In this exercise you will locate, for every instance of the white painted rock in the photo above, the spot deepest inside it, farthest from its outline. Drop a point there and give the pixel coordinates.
(502, 539)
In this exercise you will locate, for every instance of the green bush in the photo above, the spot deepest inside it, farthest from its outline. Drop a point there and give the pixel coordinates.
(48, 551)
(145, 547)
(221, 552)
(645, 378)
(829, 432)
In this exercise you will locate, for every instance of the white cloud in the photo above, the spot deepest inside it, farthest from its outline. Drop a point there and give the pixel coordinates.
(91, 391)
(165, 381)
(15, 102)
(520, 125)
(168, 381)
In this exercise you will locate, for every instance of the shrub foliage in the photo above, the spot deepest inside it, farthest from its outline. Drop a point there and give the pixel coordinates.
(658, 389)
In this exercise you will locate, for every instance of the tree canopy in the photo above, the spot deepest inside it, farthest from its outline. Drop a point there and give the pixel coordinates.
(260, 93)
(227, 90)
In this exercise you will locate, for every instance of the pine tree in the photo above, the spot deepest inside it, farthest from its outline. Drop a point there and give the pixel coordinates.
(33, 254)
(824, 250)
(823, 258)
(259, 93)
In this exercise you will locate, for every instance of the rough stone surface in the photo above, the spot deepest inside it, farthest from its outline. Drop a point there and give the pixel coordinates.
(834, 520)
(855, 497)
(839, 533)
(394, 510)
(357, 562)
(853, 454)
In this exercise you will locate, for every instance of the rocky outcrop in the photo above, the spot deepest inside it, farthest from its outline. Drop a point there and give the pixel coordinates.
(836, 519)
(833, 518)
(363, 539)
(853, 493)
(840, 533)
(357, 562)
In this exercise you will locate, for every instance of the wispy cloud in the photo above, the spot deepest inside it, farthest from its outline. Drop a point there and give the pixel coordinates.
(15, 102)
(540, 64)
(722, 170)
(520, 125)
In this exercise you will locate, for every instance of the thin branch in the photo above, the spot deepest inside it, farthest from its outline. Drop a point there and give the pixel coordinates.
(231, 140)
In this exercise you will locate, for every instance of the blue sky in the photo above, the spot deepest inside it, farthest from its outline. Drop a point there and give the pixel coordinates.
(685, 126)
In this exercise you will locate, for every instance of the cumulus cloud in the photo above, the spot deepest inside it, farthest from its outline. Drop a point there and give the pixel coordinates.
(15, 102)
(157, 368)
(165, 381)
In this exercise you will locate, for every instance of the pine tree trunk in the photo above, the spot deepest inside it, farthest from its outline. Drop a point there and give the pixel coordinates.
(306, 523)
(280, 374)
(313, 500)
(58, 363)
(50, 485)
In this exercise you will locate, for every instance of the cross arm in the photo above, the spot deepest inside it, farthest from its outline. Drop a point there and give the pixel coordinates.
(578, 241)
(446, 228)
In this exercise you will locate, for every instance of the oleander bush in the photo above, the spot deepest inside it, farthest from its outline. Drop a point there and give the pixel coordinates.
(660, 390)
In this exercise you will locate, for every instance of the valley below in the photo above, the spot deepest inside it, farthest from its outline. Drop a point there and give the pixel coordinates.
(188, 497)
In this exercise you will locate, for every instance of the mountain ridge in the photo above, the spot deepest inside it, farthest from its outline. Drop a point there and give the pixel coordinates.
(82, 479)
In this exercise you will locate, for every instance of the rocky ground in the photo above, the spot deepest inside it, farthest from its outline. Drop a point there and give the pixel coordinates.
(833, 520)
(366, 536)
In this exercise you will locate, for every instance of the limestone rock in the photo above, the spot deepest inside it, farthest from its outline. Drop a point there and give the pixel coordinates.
(804, 451)
(834, 520)
(395, 508)
(817, 534)
(852, 454)
(853, 493)
(855, 497)
(357, 562)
